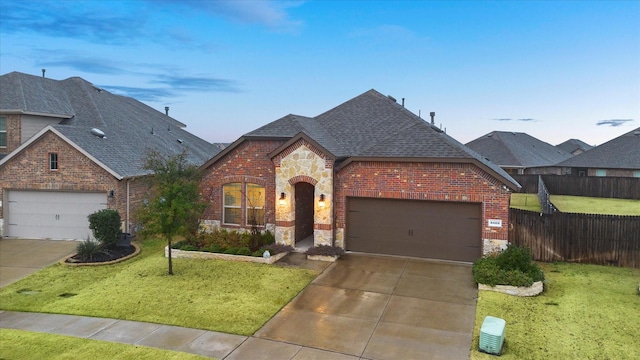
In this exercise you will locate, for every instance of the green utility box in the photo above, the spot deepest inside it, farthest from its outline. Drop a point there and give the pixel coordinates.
(492, 335)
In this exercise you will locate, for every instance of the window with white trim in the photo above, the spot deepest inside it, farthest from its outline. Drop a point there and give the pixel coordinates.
(53, 161)
(232, 203)
(255, 204)
(3, 131)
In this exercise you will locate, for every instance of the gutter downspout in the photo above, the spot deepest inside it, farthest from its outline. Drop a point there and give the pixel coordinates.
(126, 226)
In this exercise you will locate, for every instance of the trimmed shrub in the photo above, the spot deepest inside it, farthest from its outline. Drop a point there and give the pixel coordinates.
(258, 253)
(105, 225)
(514, 267)
(231, 251)
(244, 251)
(326, 250)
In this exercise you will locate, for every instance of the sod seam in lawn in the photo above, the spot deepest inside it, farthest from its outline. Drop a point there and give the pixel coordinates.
(226, 296)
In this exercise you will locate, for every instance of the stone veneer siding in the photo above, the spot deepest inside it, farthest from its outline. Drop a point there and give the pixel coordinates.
(247, 163)
(303, 162)
(425, 181)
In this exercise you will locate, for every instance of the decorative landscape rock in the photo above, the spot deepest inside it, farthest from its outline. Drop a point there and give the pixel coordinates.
(532, 290)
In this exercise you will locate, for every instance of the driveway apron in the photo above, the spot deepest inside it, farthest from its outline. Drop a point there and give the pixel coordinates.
(377, 307)
(22, 257)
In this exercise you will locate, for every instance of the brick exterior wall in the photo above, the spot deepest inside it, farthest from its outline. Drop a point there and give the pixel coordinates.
(247, 163)
(14, 132)
(29, 170)
(425, 181)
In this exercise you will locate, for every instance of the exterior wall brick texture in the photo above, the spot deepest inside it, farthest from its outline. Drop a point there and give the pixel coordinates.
(249, 162)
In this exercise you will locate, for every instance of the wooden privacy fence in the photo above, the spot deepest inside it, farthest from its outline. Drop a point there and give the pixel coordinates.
(583, 238)
(594, 186)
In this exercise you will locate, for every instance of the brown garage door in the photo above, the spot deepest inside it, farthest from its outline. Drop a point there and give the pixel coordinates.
(428, 229)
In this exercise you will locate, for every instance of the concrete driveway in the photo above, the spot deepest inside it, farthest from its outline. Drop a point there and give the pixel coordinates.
(376, 307)
(21, 257)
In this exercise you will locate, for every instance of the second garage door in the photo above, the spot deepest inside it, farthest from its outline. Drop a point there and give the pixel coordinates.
(427, 229)
(51, 214)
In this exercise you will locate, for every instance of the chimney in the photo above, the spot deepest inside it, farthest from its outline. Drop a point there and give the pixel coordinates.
(166, 110)
(43, 71)
(433, 117)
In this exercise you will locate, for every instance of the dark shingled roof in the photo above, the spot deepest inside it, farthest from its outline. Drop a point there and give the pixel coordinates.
(572, 145)
(126, 122)
(517, 150)
(373, 126)
(622, 152)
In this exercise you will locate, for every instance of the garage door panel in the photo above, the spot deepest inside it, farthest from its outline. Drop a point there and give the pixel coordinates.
(51, 214)
(429, 229)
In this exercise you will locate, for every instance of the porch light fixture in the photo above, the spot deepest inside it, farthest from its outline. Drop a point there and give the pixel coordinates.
(111, 194)
(282, 198)
(321, 202)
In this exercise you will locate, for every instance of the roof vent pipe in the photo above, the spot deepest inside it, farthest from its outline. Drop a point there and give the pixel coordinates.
(433, 117)
(402, 102)
(43, 71)
(166, 110)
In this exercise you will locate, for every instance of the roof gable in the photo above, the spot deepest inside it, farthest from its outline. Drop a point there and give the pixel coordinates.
(513, 149)
(370, 126)
(132, 128)
(622, 152)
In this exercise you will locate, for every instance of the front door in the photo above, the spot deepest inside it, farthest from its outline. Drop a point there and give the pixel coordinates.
(304, 210)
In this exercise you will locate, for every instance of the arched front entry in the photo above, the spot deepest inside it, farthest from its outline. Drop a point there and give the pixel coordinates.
(304, 210)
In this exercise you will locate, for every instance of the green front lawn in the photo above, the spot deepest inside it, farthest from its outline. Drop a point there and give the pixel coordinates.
(525, 202)
(593, 205)
(19, 344)
(586, 312)
(226, 296)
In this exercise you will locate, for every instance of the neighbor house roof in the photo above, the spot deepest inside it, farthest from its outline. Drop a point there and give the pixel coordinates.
(622, 152)
(517, 150)
(572, 145)
(373, 126)
(131, 128)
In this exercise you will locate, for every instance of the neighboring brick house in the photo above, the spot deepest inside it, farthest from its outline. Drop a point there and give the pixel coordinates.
(519, 153)
(73, 148)
(619, 157)
(368, 176)
(575, 146)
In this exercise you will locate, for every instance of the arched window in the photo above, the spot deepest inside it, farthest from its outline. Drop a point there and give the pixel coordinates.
(255, 205)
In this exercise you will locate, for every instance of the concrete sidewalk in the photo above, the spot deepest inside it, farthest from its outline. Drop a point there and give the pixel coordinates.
(201, 342)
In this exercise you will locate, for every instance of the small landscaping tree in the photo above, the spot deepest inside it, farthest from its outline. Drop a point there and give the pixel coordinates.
(175, 205)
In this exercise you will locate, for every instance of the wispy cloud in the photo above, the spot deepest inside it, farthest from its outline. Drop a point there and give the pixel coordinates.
(613, 122)
(88, 65)
(101, 22)
(272, 14)
(141, 94)
(190, 83)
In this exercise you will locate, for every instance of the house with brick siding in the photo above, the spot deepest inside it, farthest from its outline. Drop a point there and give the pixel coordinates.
(367, 176)
(519, 153)
(70, 148)
(618, 157)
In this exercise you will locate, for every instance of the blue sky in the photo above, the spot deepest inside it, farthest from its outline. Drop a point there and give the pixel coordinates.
(555, 70)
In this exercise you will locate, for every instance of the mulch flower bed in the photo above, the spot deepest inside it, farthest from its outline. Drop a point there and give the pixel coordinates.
(110, 254)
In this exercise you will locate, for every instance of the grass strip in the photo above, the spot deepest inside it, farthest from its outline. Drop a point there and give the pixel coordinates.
(525, 202)
(593, 205)
(21, 344)
(225, 296)
(586, 312)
